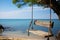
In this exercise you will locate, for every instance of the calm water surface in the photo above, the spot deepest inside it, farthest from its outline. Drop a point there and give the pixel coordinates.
(21, 25)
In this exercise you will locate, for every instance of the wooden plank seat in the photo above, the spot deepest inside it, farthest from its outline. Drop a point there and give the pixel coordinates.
(44, 23)
(40, 33)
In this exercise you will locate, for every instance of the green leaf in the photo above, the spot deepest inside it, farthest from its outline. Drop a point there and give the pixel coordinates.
(18, 5)
(15, 1)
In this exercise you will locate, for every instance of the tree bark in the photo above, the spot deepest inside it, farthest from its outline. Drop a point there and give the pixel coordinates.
(56, 7)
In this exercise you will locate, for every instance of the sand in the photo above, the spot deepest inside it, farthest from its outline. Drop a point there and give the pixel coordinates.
(17, 38)
(23, 38)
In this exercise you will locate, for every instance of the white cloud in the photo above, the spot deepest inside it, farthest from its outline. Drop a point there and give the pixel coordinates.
(15, 14)
(25, 13)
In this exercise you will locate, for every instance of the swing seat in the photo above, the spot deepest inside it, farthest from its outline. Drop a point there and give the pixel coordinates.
(41, 33)
(44, 23)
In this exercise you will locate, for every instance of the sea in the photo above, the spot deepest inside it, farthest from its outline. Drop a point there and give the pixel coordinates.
(20, 26)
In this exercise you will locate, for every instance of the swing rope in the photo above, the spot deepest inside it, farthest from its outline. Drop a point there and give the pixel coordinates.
(50, 21)
(31, 23)
(32, 14)
(50, 11)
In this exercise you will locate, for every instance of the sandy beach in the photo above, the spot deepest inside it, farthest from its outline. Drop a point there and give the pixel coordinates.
(23, 38)
(19, 38)
(14, 36)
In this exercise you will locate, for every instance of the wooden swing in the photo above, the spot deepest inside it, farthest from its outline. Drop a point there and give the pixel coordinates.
(47, 24)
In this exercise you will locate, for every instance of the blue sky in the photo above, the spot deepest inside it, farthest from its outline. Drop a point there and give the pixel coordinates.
(10, 11)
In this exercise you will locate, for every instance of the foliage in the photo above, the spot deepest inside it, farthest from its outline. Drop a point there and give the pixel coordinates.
(20, 3)
(44, 3)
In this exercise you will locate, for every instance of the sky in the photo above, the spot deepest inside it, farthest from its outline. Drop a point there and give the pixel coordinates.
(10, 11)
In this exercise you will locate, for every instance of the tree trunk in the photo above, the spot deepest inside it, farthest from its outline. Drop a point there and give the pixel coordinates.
(56, 7)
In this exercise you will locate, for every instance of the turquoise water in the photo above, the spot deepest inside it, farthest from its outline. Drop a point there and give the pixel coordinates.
(23, 25)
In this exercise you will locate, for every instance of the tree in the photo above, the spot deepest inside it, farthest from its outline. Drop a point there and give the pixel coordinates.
(55, 4)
